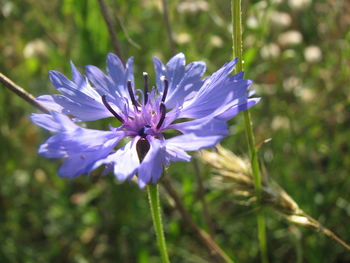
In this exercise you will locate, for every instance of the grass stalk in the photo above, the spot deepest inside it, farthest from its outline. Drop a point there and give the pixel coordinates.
(22, 93)
(109, 23)
(169, 30)
(238, 52)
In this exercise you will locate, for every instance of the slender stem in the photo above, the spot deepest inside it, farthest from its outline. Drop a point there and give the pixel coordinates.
(298, 247)
(153, 196)
(238, 52)
(317, 225)
(126, 34)
(203, 237)
(168, 26)
(262, 236)
(108, 20)
(22, 93)
(201, 195)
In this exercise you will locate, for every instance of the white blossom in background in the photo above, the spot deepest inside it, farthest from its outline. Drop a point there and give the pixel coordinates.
(216, 41)
(193, 6)
(252, 22)
(281, 19)
(34, 48)
(312, 54)
(299, 4)
(292, 37)
(271, 50)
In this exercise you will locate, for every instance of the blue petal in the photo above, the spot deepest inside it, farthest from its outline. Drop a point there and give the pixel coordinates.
(79, 141)
(124, 161)
(129, 71)
(190, 82)
(54, 147)
(182, 80)
(59, 80)
(231, 112)
(193, 142)
(112, 85)
(214, 95)
(102, 82)
(176, 154)
(66, 123)
(238, 76)
(160, 70)
(79, 100)
(119, 74)
(175, 70)
(77, 77)
(84, 112)
(80, 92)
(83, 147)
(77, 165)
(49, 102)
(235, 97)
(115, 69)
(106, 86)
(204, 127)
(55, 122)
(151, 168)
(83, 162)
(45, 121)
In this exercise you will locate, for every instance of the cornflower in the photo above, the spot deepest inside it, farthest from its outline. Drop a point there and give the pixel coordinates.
(196, 109)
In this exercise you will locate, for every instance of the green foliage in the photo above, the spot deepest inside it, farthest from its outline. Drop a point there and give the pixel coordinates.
(304, 83)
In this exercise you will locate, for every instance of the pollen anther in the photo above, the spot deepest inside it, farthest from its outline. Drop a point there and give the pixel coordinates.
(105, 102)
(166, 87)
(145, 90)
(132, 96)
(162, 117)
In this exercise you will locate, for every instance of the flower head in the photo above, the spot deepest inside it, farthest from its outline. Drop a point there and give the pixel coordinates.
(181, 101)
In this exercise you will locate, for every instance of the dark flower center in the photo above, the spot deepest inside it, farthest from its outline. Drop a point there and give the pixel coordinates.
(143, 131)
(142, 147)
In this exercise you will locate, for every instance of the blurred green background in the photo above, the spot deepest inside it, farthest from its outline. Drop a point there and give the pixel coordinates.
(296, 51)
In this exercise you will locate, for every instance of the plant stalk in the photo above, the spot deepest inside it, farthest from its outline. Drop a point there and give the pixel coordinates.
(169, 30)
(153, 196)
(202, 236)
(238, 52)
(109, 23)
(201, 195)
(22, 93)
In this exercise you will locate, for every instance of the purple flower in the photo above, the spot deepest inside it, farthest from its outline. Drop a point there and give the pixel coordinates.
(181, 101)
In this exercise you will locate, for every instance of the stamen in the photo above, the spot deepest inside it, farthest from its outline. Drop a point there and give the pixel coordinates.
(104, 100)
(166, 86)
(162, 109)
(145, 75)
(132, 96)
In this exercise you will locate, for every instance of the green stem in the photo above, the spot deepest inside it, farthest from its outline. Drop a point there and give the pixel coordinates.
(262, 236)
(153, 196)
(168, 26)
(237, 52)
